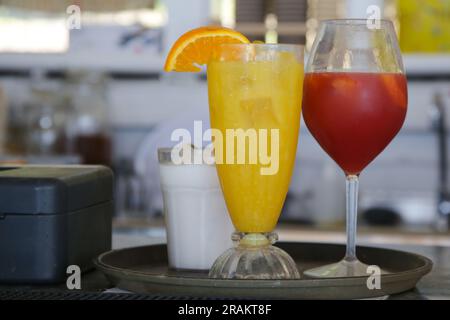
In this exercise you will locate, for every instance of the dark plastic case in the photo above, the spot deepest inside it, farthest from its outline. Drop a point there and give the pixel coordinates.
(52, 217)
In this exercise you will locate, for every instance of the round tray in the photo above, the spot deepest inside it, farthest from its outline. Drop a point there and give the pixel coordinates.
(145, 270)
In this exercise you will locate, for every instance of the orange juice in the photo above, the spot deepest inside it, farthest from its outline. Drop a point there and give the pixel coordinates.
(257, 94)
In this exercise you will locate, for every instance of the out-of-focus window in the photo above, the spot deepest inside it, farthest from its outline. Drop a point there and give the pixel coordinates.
(272, 21)
(22, 31)
(41, 26)
(321, 10)
(286, 21)
(276, 21)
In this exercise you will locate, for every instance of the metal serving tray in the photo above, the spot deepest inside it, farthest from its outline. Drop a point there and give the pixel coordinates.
(145, 270)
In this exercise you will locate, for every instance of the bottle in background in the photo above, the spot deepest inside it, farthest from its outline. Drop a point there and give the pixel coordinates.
(89, 129)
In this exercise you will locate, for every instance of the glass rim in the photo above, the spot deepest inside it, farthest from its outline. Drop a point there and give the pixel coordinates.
(263, 45)
(353, 21)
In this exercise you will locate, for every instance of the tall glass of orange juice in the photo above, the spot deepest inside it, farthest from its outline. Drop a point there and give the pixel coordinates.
(255, 93)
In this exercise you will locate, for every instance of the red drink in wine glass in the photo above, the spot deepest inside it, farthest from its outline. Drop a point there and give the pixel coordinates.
(354, 103)
(354, 116)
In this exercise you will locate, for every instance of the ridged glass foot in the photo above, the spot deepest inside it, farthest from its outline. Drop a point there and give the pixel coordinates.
(254, 257)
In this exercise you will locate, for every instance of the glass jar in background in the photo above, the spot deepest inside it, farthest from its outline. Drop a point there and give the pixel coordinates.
(45, 121)
(88, 131)
(130, 193)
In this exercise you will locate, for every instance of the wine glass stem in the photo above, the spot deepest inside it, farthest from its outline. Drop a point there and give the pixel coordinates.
(351, 185)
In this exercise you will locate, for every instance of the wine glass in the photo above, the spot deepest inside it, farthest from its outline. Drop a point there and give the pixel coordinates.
(354, 103)
(255, 93)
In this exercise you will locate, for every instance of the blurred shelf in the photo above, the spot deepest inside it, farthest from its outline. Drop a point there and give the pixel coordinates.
(111, 62)
(427, 64)
(145, 63)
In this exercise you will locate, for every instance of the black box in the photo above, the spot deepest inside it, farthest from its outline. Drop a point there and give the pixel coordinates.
(52, 217)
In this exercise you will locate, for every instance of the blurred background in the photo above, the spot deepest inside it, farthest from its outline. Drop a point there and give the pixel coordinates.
(87, 86)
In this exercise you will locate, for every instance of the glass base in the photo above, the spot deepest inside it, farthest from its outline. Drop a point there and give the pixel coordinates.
(343, 268)
(254, 257)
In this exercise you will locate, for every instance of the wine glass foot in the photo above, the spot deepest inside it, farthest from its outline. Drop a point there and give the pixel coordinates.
(254, 257)
(343, 268)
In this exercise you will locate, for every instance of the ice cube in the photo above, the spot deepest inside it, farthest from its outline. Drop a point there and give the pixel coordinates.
(395, 88)
(259, 112)
(344, 83)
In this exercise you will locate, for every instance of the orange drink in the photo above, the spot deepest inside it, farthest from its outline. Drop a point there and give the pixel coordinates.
(257, 95)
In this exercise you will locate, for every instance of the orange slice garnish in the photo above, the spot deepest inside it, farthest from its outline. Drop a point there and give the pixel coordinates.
(195, 47)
